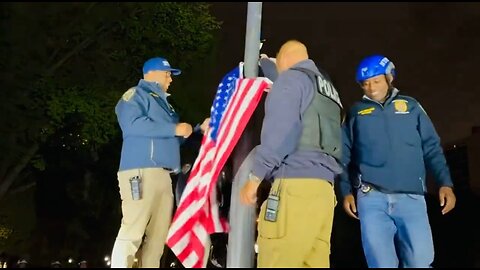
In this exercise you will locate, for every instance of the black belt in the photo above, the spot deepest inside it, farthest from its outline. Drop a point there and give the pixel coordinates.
(367, 187)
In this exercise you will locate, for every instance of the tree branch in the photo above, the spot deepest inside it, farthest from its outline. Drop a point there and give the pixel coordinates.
(85, 43)
(4, 165)
(23, 188)
(17, 169)
(73, 22)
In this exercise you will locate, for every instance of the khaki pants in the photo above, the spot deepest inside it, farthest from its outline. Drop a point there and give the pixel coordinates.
(300, 237)
(150, 216)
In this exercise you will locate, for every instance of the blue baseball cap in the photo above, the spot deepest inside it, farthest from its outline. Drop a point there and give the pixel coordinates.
(159, 63)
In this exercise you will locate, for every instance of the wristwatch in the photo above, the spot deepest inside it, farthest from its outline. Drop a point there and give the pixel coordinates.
(254, 178)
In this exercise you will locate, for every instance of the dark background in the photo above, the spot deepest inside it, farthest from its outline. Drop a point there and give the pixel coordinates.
(74, 208)
(433, 46)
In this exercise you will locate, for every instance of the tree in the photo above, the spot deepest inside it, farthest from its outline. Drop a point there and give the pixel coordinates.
(68, 63)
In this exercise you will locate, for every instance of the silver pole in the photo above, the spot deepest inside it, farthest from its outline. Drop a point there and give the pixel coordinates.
(252, 39)
(241, 238)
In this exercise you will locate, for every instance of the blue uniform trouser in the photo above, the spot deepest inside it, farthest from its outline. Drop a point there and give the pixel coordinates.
(395, 229)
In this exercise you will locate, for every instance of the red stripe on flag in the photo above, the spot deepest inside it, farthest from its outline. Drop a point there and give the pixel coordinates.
(190, 217)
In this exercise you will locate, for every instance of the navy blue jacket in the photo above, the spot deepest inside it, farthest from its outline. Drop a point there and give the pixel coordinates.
(277, 155)
(390, 145)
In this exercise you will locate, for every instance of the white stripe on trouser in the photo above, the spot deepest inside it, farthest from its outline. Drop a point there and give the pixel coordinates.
(150, 216)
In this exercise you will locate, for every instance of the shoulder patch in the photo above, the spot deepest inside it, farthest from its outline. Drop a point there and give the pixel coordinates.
(401, 105)
(129, 94)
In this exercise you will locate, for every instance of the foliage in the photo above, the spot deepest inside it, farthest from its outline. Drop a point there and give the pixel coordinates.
(63, 68)
(70, 62)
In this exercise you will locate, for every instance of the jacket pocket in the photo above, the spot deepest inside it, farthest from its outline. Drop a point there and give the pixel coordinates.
(371, 140)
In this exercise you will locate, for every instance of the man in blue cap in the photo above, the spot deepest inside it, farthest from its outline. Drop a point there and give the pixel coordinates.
(152, 135)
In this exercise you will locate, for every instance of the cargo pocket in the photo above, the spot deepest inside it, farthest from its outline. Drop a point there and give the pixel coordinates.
(273, 230)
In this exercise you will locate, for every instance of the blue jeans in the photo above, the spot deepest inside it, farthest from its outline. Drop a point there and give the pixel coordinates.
(395, 230)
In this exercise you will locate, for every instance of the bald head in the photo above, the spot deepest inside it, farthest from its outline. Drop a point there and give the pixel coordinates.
(291, 53)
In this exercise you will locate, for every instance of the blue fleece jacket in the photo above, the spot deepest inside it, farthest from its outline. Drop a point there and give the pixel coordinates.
(148, 124)
(277, 155)
(390, 145)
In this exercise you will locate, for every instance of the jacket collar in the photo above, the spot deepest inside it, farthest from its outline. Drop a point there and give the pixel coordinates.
(393, 93)
(153, 87)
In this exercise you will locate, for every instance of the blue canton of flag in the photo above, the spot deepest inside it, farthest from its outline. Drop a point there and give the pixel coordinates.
(224, 93)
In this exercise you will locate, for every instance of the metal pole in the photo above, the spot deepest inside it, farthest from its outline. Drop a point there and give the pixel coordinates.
(252, 39)
(241, 238)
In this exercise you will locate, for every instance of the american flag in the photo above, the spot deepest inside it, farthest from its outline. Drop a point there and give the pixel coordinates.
(197, 215)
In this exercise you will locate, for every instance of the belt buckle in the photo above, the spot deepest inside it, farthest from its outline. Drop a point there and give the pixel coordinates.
(365, 188)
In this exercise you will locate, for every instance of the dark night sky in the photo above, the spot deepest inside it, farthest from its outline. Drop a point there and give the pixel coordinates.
(433, 45)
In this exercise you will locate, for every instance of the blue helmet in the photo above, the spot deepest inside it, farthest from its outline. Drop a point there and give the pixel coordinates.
(373, 66)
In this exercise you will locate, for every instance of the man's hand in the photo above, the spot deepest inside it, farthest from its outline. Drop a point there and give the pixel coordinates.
(205, 125)
(248, 194)
(267, 89)
(184, 130)
(349, 206)
(447, 199)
